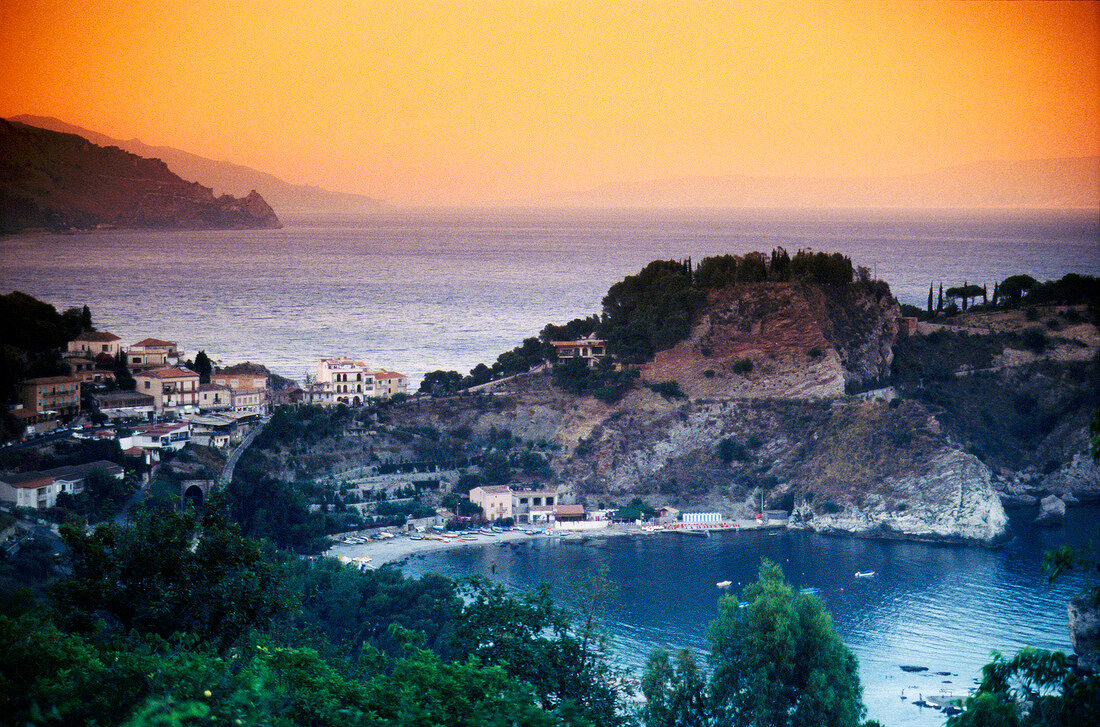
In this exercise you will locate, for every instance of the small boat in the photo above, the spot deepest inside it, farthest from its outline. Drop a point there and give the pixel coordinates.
(743, 604)
(724, 584)
(865, 574)
(810, 591)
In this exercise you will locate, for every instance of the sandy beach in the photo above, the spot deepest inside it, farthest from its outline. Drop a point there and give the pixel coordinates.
(401, 547)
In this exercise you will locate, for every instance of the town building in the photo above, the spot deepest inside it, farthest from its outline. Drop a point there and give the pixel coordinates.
(389, 383)
(215, 397)
(168, 435)
(89, 371)
(495, 501)
(534, 505)
(590, 348)
(343, 381)
(173, 389)
(152, 353)
(39, 490)
(124, 405)
(93, 343)
(58, 394)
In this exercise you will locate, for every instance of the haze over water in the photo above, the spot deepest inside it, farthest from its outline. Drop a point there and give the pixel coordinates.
(418, 291)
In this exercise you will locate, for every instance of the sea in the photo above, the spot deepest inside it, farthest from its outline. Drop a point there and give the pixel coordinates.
(942, 609)
(422, 290)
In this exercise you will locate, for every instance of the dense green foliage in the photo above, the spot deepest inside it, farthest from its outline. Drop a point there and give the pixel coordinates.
(181, 620)
(1035, 688)
(603, 381)
(650, 311)
(776, 661)
(32, 337)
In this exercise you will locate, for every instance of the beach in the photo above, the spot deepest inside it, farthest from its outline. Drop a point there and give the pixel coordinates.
(401, 547)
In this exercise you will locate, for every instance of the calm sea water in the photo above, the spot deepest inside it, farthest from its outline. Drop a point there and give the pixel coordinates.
(942, 607)
(425, 290)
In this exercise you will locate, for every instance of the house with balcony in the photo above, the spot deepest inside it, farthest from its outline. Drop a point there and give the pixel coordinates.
(59, 395)
(388, 383)
(589, 348)
(343, 381)
(495, 501)
(168, 435)
(247, 389)
(174, 389)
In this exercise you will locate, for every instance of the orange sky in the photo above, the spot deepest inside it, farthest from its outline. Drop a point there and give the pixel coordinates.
(454, 102)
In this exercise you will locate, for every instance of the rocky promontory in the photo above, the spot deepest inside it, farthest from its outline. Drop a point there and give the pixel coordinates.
(63, 182)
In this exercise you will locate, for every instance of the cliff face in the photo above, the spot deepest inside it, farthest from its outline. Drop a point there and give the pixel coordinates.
(804, 342)
(61, 181)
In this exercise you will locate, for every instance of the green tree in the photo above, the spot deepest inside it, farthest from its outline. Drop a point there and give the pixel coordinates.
(779, 662)
(674, 697)
(203, 367)
(123, 377)
(1036, 688)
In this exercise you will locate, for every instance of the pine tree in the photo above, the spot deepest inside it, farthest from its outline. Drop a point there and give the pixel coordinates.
(203, 367)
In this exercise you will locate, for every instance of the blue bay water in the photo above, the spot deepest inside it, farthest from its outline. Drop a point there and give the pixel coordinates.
(938, 606)
(423, 290)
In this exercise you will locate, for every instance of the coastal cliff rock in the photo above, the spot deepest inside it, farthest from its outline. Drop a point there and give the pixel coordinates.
(55, 181)
(1084, 632)
(804, 341)
(951, 500)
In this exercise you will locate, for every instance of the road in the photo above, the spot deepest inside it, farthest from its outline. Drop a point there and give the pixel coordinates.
(231, 461)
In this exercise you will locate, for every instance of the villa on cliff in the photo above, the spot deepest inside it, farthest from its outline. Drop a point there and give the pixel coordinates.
(346, 381)
(590, 348)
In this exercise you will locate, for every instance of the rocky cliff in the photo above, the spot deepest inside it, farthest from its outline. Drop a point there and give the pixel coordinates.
(782, 432)
(63, 182)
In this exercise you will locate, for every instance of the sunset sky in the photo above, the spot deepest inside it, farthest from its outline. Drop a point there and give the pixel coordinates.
(455, 102)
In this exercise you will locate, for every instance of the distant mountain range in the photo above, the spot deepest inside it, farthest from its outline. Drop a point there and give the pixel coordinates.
(226, 177)
(64, 182)
(1033, 183)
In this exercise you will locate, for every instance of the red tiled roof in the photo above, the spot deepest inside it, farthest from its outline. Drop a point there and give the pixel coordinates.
(53, 380)
(97, 336)
(383, 374)
(569, 510)
(34, 484)
(168, 373)
(151, 342)
(213, 387)
(134, 452)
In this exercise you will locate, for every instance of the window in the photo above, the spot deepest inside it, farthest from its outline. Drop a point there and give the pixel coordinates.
(146, 384)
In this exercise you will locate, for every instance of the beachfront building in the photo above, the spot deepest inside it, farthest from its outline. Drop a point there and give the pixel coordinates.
(590, 348)
(59, 395)
(152, 353)
(534, 505)
(93, 343)
(495, 501)
(174, 389)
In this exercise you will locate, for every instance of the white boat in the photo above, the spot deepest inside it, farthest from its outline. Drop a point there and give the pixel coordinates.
(865, 574)
(724, 584)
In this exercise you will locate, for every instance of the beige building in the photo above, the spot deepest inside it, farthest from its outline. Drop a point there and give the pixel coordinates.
(534, 505)
(152, 353)
(494, 500)
(215, 397)
(172, 389)
(94, 343)
(239, 380)
(59, 394)
(388, 383)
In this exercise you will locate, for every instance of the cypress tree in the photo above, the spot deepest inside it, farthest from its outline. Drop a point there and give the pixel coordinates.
(939, 306)
(930, 299)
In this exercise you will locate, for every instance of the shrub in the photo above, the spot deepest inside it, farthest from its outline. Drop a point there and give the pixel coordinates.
(1035, 340)
(709, 373)
(669, 389)
(815, 352)
(742, 366)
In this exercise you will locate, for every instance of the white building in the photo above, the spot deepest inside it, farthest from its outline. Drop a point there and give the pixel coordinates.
(346, 381)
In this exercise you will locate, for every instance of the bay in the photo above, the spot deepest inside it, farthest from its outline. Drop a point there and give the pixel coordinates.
(420, 290)
(944, 607)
